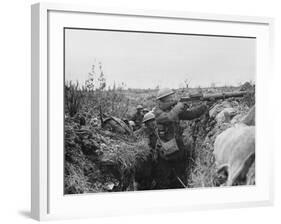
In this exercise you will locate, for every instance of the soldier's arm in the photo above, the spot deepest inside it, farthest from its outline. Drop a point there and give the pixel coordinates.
(172, 115)
(193, 113)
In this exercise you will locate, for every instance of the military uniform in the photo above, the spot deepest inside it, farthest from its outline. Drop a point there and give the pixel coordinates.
(144, 173)
(137, 118)
(168, 169)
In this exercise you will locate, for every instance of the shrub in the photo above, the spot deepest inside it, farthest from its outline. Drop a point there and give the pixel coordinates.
(73, 98)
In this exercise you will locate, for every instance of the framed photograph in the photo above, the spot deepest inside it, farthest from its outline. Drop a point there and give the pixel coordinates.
(148, 111)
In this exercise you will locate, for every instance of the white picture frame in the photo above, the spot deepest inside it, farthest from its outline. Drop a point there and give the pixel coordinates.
(48, 201)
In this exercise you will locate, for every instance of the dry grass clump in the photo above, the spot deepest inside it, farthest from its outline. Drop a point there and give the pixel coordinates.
(126, 153)
(75, 180)
(124, 159)
(73, 98)
(97, 160)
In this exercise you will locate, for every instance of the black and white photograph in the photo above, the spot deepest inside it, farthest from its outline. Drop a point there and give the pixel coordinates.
(157, 111)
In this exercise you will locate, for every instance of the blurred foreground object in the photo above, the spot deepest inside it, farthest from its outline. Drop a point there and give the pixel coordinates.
(234, 151)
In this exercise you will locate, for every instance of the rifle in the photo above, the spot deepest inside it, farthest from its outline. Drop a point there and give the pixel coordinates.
(211, 97)
(200, 97)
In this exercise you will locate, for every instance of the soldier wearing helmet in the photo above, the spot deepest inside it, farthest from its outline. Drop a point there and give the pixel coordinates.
(148, 130)
(145, 110)
(145, 177)
(172, 162)
(137, 117)
(148, 117)
(139, 107)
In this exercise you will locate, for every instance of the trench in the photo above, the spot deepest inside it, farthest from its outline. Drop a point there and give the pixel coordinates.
(149, 174)
(86, 171)
(198, 137)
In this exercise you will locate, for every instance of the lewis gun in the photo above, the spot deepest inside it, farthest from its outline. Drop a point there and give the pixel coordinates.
(213, 96)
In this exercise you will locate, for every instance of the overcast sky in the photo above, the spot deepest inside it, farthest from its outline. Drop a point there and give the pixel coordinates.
(145, 60)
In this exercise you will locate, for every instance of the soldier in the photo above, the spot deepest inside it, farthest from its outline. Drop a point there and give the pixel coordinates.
(170, 171)
(138, 117)
(145, 110)
(149, 131)
(145, 176)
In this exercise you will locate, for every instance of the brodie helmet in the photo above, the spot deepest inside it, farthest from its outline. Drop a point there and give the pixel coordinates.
(139, 107)
(148, 116)
(145, 110)
(132, 123)
(164, 92)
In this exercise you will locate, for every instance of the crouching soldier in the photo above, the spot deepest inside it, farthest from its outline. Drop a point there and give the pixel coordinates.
(138, 117)
(170, 171)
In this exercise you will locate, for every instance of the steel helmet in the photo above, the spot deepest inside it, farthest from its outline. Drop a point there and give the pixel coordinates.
(164, 92)
(148, 116)
(132, 123)
(139, 107)
(145, 109)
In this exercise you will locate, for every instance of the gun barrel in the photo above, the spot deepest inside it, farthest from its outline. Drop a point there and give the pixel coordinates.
(213, 96)
(224, 95)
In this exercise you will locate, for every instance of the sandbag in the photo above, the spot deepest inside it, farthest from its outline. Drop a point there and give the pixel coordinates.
(249, 119)
(218, 108)
(225, 115)
(233, 148)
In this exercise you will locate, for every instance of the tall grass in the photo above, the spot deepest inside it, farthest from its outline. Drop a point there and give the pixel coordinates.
(73, 98)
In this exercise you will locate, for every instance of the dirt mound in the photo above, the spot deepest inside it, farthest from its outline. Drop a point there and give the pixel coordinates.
(202, 133)
(97, 160)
